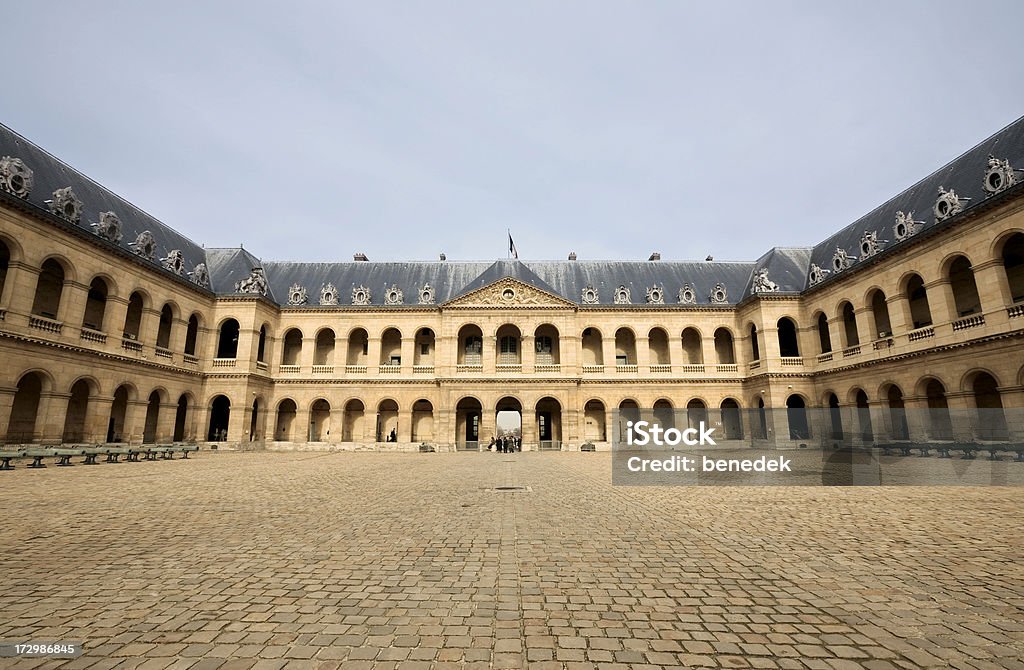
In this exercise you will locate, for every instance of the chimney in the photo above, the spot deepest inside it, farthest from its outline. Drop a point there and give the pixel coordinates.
(359, 257)
(572, 255)
(655, 256)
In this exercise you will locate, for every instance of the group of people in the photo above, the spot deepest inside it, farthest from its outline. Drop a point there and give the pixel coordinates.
(505, 444)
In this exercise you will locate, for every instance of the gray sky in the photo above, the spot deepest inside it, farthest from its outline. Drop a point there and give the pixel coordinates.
(309, 131)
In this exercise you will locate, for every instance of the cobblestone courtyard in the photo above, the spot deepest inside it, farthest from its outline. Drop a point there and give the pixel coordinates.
(360, 560)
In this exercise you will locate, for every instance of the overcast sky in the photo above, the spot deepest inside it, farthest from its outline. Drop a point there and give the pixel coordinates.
(309, 131)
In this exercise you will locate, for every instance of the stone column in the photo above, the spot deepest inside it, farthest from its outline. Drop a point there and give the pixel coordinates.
(488, 425)
(19, 288)
(373, 349)
(490, 353)
(404, 420)
(608, 352)
(238, 420)
(305, 358)
(300, 425)
(165, 422)
(97, 418)
(570, 349)
(865, 322)
(179, 329)
(134, 421)
(676, 355)
(529, 353)
(899, 314)
(72, 307)
(836, 334)
(643, 354)
(994, 291)
(6, 405)
(50, 417)
(113, 319)
(408, 353)
(918, 425)
(941, 301)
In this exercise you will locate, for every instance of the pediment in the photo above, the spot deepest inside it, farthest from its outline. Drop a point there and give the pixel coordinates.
(509, 292)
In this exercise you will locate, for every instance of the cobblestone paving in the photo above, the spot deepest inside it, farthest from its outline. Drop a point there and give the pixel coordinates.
(365, 560)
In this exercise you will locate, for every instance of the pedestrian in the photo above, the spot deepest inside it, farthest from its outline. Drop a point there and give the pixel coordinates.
(491, 444)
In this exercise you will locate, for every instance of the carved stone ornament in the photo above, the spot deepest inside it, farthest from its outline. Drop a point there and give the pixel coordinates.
(718, 296)
(816, 275)
(255, 283)
(655, 295)
(999, 176)
(762, 284)
(175, 262)
(360, 295)
(427, 294)
(109, 227)
(393, 296)
(144, 245)
(200, 275)
(66, 205)
(622, 296)
(15, 177)
(906, 226)
(870, 244)
(328, 294)
(841, 260)
(297, 295)
(589, 296)
(687, 296)
(948, 204)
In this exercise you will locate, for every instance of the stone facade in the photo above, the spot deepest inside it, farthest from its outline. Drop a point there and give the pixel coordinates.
(98, 344)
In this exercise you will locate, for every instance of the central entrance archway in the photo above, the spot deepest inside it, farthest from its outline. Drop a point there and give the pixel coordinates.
(508, 419)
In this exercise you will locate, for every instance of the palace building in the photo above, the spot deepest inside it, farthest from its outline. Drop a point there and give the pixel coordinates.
(116, 328)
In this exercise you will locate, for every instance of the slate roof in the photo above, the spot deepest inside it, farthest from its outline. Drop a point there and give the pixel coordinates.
(786, 267)
(50, 173)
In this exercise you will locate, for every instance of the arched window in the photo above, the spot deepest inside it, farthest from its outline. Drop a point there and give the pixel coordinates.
(1013, 263)
(133, 317)
(693, 350)
(789, 346)
(850, 326)
(965, 290)
(824, 337)
(95, 305)
(391, 347)
(917, 296)
(292, 349)
(724, 348)
(49, 289)
(796, 413)
(625, 347)
(593, 350)
(261, 348)
(163, 333)
(192, 335)
(880, 313)
(508, 345)
(323, 353)
(5, 263)
(657, 344)
(227, 343)
(547, 345)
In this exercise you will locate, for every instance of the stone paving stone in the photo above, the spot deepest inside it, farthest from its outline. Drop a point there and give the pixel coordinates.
(365, 560)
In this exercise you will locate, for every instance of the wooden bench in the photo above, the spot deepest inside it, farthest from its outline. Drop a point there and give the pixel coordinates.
(7, 456)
